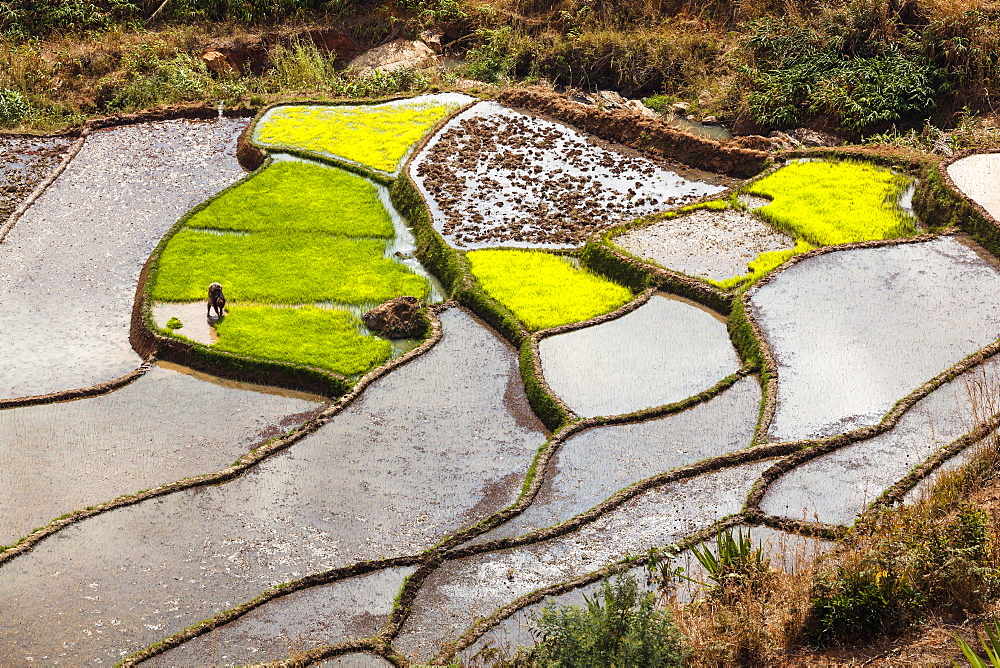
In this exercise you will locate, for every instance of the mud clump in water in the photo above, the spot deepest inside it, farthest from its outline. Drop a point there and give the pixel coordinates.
(24, 163)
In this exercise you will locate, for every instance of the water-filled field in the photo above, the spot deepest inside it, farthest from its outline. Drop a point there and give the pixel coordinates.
(557, 411)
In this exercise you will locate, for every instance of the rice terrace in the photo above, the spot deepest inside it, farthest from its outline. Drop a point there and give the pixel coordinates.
(491, 356)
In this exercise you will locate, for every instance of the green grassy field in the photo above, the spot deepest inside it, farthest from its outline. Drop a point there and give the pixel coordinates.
(544, 290)
(295, 268)
(374, 135)
(293, 196)
(326, 338)
(828, 203)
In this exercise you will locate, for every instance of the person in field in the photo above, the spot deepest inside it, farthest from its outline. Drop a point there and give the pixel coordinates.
(216, 299)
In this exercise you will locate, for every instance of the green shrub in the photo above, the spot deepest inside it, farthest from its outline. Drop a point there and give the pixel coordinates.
(827, 203)
(492, 61)
(797, 73)
(326, 338)
(857, 604)
(14, 108)
(544, 290)
(619, 627)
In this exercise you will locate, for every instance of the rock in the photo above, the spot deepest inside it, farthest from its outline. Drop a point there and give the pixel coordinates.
(813, 138)
(710, 120)
(432, 38)
(218, 63)
(609, 99)
(580, 97)
(704, 97)
(756, 142)
(399, 318)
(785, 141)
(396, 55)
(333, 41)
(680, 107)
(640, 108)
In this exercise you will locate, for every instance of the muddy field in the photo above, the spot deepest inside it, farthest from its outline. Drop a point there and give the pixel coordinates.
(495, 176)
(433, 496)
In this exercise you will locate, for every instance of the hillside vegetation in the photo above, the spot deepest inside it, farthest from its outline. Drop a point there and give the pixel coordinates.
(858, 67)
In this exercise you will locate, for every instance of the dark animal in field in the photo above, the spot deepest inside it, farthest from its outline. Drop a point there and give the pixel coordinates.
(216, 300)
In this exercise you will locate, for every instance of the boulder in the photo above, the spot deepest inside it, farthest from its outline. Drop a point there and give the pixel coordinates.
(396, 55)
(333, 41)
(814, 138)
(432, 38)
(218, 63)
(399, 318)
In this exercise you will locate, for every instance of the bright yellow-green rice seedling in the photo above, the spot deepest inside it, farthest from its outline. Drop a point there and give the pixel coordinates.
(326, 338)
(827, 203)
(544, 290)
(294, 268)
(292, 196)
(377, 136)
(764, 263)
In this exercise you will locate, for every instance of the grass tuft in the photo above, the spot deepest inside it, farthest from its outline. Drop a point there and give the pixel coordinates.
(374, 135)
(828, 203)
(544, 290)
(326, 338)
(292, 196)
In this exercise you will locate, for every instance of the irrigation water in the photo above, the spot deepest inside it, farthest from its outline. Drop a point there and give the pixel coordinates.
(435, 470)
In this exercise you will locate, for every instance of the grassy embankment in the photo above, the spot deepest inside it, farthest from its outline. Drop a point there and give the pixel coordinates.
(293, 234)
(544, 290)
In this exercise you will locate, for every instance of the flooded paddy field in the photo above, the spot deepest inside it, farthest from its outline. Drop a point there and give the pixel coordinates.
(835, 487)
(347, 609)
(435, 446)
(786, 552)
(465, 589)
(495, 176)
(409, 464)
(706, 243)
(24, 163)
(72, 262)
(664, 351)
(977, 176)
(596, 463)
(874, 323)
(167, 425)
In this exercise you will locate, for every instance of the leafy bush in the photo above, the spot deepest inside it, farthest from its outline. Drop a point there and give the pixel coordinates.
(492, 61)
(862, 603)
(735, 563)
(619, 627)
(796, 74)
(14, 108)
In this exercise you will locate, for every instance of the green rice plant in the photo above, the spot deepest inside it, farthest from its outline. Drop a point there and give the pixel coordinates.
(326, 338)
(764, 263)
(293, 196)
(174, 323)
(282, 268)
(377, 136)
(828, 203)
(544, 290)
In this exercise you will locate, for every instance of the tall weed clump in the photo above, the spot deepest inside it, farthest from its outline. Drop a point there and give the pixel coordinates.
(620, 626)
